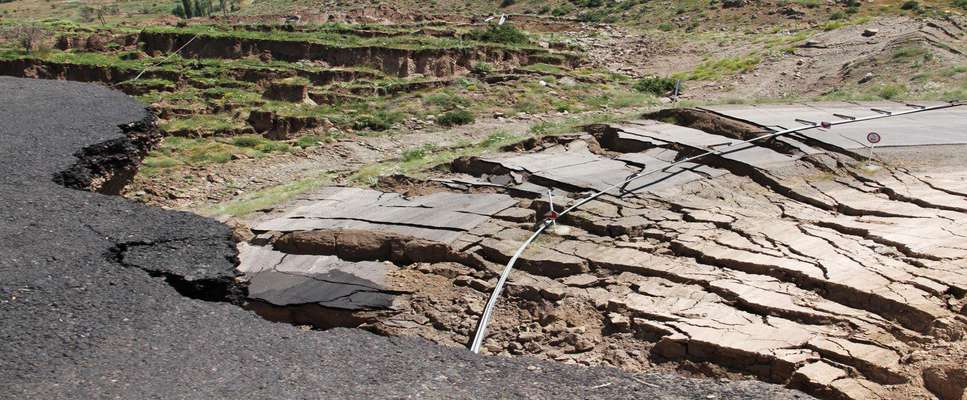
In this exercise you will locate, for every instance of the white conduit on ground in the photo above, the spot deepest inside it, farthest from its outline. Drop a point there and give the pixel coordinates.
(492, 302)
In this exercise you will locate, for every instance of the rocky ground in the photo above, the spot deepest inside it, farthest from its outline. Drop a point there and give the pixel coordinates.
(794, 262)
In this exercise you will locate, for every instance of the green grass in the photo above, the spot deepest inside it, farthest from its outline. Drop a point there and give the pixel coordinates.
(714, 69)
(545, 69)
(503, 36)
(262, 199)
(657, 86)
(455, 117)
(202, 122)
(177, 151)
(416, 161)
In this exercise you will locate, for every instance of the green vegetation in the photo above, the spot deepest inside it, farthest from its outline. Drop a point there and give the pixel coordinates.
(178, 151)
(416, 161)
(504, 34)
(456, 117)
(202, 123)
(912, 5)
(262, 199)
(378, 121)
(658, 86)
(713, 69)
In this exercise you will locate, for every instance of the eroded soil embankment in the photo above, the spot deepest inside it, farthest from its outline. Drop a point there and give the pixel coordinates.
(392, 61)
(783, 261)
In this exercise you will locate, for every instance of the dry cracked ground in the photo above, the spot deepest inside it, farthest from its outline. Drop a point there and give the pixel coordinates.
(795, 261)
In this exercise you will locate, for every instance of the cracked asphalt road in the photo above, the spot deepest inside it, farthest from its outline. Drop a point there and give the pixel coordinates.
(90, 308)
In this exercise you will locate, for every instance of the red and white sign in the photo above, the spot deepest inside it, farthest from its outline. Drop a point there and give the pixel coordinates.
(873, 137)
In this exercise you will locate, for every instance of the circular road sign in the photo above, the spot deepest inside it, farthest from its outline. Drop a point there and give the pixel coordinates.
(873, 137)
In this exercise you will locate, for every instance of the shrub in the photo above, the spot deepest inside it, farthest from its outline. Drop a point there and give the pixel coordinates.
(482, 68)
(456, 117)
(248, 141)
(507, 3)
(418, 153)
(657, 86)
(961, 4)
(270, 147)
(562, 10)
(446, 100)
(378, 121)
(837, 16)
(309, 141)
(665, 27)
(910, 5)
(506, 34)
(889, 92)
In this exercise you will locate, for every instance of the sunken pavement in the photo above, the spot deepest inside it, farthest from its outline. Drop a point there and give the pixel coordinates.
(796, 261)
(103, 297)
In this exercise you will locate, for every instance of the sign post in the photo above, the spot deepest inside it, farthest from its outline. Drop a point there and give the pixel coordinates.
(873, 138)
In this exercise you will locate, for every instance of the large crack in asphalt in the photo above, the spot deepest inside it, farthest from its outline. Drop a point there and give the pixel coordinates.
(100, 296)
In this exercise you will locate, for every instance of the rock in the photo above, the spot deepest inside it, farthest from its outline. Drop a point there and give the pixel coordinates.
(868, 32)
(481, 285)
(462, 280)
(733, 3)
(947, 382)
(580, 280)
(866, 78)
(525, 337)
(619, 322)
(552, 293)
(813, 43)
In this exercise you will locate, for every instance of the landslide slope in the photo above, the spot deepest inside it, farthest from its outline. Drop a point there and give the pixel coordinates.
(103, 297)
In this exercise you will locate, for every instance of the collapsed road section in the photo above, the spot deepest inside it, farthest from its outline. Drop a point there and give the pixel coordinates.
(103, 297)
(792, 262)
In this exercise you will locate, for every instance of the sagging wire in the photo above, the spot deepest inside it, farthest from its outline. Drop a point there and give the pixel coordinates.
(481, 331)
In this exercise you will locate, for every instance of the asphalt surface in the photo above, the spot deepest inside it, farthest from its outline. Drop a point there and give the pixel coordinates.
(93, 300)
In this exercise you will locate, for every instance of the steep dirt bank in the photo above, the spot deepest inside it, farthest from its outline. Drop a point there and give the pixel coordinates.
(392, 61)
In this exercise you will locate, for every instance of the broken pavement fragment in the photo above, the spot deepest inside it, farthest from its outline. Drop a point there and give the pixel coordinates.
(291, 279)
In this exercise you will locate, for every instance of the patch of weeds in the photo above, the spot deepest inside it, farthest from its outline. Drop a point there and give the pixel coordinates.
(262, 199)
(418, 153)
(891, 91)
(833, 25)
(307, 141)
(250, 141)
(273, 147)
(446, 100)
(573, 124)
(504, 34)
(499, 139)
(910, 5)
(562, 10)
(482, 68)
(544, 68)
(378, 121)
(657, 86)
(665, 27)
(201, 123)
(714, 69)
(456, 117)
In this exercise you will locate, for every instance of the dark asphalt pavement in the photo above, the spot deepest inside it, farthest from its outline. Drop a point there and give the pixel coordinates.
(89, 306)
